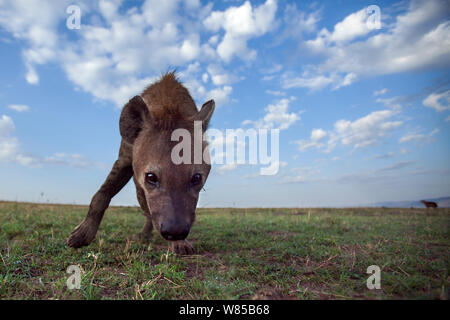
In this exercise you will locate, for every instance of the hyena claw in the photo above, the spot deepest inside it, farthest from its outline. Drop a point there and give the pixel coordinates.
(182, 247)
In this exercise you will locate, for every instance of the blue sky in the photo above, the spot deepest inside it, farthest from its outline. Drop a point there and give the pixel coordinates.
(363, 113)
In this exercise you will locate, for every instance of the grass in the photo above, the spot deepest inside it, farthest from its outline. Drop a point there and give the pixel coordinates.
(241, 254)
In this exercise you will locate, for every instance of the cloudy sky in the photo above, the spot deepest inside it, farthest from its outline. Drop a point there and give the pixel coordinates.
(363, 112)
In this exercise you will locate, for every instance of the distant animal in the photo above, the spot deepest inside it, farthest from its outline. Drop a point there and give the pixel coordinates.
(167, 192)
(429, 204)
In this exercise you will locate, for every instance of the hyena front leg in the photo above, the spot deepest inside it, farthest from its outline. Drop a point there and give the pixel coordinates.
(85, 232)
(148, 226)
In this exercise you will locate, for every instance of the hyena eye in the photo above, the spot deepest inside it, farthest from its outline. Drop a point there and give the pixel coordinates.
(151, 178)
(196, 179)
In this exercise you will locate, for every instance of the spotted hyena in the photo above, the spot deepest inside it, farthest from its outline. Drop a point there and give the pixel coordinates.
(429, 204)
(167, 192)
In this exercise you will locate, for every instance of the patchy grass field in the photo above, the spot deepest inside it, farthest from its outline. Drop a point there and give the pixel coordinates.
(241, 254)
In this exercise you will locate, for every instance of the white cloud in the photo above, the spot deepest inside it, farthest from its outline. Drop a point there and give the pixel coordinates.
(393, 103)
(268, 78)
(111, 61)
(314, 81)
(6, 126)
(364, 131)
(295, 179)
(383, 156)
(381, 175)
(380, 92)
(298, 22)
(301, 175)
(396, 166)
(277, 116)
(19, 107)
(447, 119)
(411, 136)
(419, 39)
(72, 160)
(158, 13)
(273, 69)
(218, 76)
(8, 144)
(276, 92)
(351, 27)
(214, 40)
(438, 101)
(35, 22)
(418, 137)
(317, 134)
(315, 140)
(198, 82)
(220, 95)
(118, 54)
(360, 133)
(228, 167)
(31, 76)
(11, 152)
(240, 24)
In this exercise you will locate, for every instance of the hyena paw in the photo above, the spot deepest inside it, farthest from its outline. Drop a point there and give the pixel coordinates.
(144, 236)
(182, 247)
(82, 235)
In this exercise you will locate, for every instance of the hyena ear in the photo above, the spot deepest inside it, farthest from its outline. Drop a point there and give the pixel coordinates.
(132, 119)
(205, 113)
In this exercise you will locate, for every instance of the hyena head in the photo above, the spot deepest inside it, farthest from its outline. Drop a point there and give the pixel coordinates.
(171, 189)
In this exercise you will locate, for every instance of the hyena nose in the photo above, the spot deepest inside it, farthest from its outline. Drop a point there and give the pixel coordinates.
(174, 230)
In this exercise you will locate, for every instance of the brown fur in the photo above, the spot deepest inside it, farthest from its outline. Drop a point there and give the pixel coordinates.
(170, 103)
(429, 204)
(146, 124)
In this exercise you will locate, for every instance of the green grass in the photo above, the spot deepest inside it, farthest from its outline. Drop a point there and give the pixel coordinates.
(241, 254)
